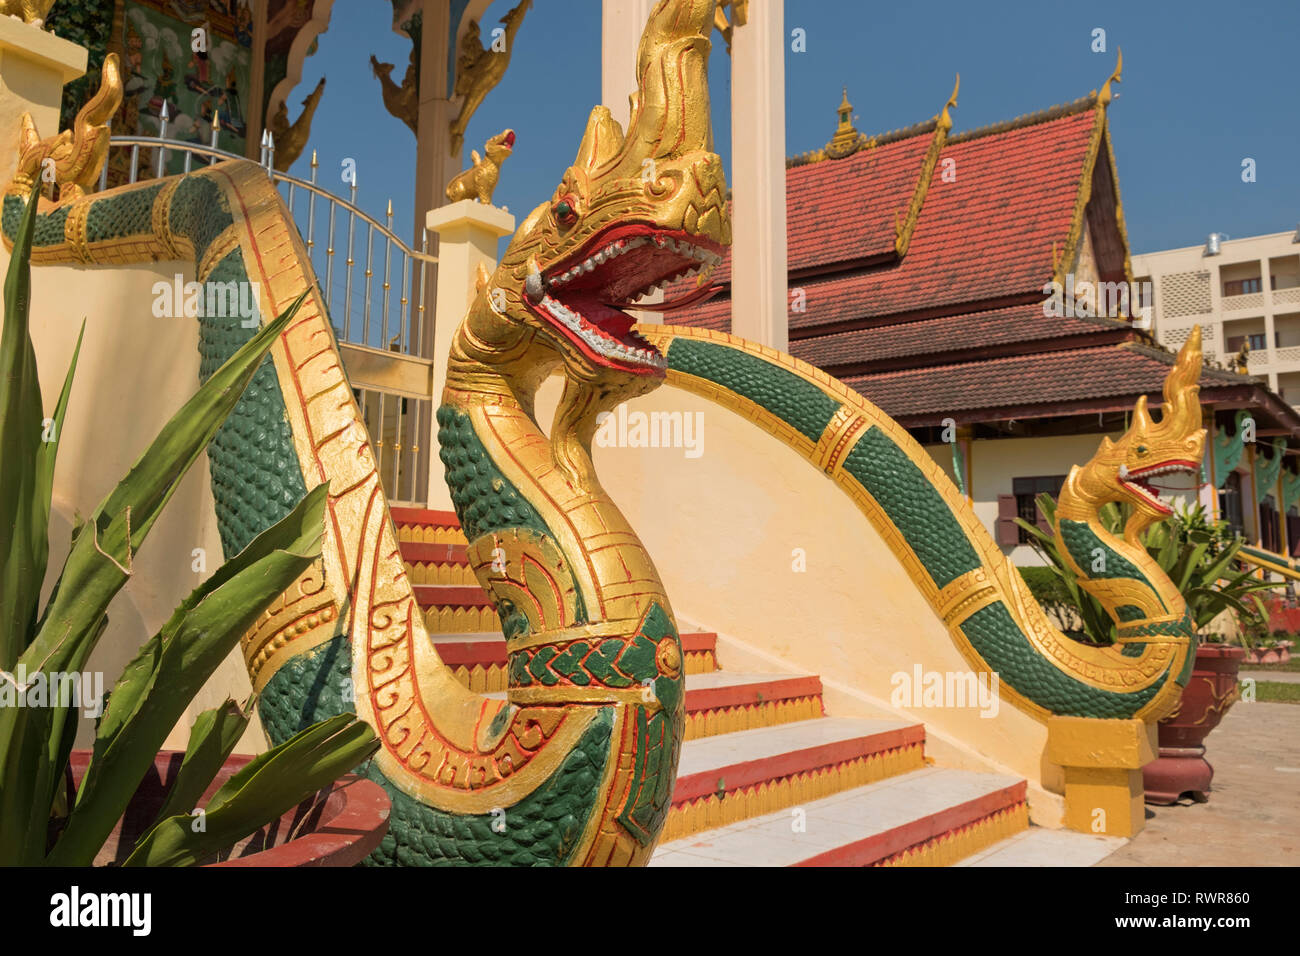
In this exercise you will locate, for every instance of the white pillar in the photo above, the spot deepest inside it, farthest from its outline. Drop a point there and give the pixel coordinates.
(621, 25)
(759, 268)
(467, 236)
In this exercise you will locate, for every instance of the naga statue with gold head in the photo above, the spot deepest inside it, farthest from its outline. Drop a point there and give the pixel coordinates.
(577, 765)
(1145, 604)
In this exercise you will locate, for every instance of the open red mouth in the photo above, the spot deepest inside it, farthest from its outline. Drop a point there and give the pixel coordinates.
(1143, 481)
(584, 296)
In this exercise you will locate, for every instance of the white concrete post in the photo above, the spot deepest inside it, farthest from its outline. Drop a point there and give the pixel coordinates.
(621, 25)
(467, 236)
(759, 267)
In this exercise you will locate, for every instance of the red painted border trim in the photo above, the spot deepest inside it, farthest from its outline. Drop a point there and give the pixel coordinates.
(425, 516)
(451, 595)
(699, 642)
(882, 846)
(740, 775)
(425, 553)
(757, 692)
(470, 653)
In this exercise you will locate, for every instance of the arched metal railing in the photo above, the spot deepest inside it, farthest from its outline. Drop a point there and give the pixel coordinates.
(364, 315)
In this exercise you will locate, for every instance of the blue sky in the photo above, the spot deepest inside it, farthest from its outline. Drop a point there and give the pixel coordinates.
(1205, 86)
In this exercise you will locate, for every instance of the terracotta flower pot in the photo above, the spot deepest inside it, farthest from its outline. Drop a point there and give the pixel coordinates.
(1270, 655)
(339, 826)
(1181, 767)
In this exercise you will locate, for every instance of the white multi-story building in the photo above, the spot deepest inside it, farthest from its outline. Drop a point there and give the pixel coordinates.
(1240, 291)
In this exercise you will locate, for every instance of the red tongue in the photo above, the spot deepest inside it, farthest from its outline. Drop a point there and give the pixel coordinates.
(612, 321)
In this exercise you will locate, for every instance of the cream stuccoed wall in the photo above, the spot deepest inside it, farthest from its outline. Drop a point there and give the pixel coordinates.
(133, 373)
(728, 529)
(997, 462)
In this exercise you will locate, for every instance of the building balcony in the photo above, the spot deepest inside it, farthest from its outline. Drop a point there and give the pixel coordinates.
(1253, 301)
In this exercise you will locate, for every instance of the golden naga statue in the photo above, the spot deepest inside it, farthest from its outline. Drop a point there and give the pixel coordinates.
(402, 101)
(291, 139)
(73, 158)
(29, 11)
(478, 71)
(480, 180)
(1147, 607)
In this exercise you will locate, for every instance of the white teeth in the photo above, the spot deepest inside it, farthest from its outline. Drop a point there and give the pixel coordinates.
(598, 339)
(1123, 471)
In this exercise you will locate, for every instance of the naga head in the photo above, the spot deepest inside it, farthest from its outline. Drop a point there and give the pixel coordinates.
(634, 212)
(1136, 468)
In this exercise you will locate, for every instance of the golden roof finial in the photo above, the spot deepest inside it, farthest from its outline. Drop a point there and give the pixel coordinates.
(1105, 95)
(846, 140)
(945, 120)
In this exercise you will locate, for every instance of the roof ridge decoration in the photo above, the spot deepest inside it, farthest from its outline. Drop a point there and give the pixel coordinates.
(1070, 254)
(848, 140)
(1094, 99)
(942, 125)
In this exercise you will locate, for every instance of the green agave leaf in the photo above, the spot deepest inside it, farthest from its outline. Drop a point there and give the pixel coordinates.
(22, 537)
(99, 563)
(157, 686)
(212, 739)
(269, 786)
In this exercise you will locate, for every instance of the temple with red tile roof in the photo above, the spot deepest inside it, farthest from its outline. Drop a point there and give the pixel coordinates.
(977, 287)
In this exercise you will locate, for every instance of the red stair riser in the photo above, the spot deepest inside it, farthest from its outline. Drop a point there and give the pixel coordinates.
(424, 516)
(699, 643)
(472, 653)
(419, 552)
(741, 775)
(884, 845)
(740, 695)
(450, 595)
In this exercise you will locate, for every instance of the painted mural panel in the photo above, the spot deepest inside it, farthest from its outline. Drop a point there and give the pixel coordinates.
(200, 88)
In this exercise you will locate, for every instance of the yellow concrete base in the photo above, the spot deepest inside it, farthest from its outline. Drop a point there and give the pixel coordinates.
(1103, 761)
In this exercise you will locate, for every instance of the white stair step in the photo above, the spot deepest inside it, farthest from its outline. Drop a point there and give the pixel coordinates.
(872, 822)
(712, 679)
(711, 754)
(1041, 847)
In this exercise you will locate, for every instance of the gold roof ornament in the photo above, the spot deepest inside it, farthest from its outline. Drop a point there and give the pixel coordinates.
(291, 138)
(944, 119)
(402, 101)
(1106, 95)
(479, 70)
(847, 140)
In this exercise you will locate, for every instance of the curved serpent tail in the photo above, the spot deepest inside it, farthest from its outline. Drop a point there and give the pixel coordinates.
(934, 532)
(577, 766)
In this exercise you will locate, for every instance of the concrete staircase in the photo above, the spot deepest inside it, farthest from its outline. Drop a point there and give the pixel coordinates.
(766, 777)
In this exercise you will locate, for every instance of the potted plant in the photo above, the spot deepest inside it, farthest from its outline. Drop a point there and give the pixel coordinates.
(1199, 556)
(62, 808)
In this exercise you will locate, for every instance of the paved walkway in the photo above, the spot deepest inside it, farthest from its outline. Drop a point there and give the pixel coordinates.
(1253, 817)
(1282, 677)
